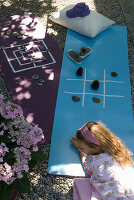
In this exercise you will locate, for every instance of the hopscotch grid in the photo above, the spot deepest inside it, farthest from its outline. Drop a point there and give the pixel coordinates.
(95, 94)
(14, 52)
(26, 63)
(34, 65)
(21, 55)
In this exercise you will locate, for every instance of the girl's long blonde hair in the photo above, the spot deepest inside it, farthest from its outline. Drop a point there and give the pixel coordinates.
(110, 143)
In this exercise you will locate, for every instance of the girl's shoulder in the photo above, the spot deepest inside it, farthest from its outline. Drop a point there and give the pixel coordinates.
(100, 157)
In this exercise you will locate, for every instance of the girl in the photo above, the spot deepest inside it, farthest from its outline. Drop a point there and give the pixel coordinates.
(107, 160)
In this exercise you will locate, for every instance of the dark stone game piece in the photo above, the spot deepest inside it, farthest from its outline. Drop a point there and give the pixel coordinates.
(35, 77)
(19, 36)
(41, 81)
(95, 85)
(75, 98)
(114, 74)
(8, 32)
(39, 84)
(96, 100)
(79, 72)
(15, 33)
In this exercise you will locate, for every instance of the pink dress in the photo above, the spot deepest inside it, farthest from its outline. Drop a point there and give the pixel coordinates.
(112, 181)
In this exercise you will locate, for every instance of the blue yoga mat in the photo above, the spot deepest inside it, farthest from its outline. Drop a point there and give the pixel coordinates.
(109, 54)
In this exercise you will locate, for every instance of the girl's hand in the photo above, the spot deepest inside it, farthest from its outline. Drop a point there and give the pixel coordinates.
(75, 143)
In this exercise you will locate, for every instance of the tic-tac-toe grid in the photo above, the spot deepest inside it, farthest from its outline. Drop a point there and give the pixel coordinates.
(29, 55)
(87, 91)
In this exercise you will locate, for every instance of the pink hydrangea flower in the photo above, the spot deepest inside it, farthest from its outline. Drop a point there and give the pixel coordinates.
(24, 138)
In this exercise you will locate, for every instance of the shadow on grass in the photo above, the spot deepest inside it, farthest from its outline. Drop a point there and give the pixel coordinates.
(37, 7)
(40, 8)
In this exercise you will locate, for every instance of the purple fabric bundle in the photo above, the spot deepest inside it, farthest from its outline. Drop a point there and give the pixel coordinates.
(79, 10)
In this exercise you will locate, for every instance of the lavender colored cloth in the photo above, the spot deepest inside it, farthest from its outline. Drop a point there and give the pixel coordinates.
(79, 10)
(84, 190)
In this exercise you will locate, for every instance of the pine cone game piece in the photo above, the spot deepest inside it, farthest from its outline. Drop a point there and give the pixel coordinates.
(96, 100)
(114, 74)
(74, 98)
(79, 72)
(95, 85)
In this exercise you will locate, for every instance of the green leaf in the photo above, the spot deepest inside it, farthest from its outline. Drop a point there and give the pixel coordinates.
(9, 158)
(11, 145)
(22, 185)
(5, 190)
(32, 164)
(4, 138)
(38, 155)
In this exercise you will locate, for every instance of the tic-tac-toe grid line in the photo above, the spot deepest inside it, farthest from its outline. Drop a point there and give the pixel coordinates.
(104, 95)
(34, 65)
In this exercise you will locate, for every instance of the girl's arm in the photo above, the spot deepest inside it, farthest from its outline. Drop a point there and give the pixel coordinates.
(88, 169)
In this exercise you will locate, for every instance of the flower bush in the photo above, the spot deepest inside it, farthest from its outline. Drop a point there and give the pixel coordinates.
(18, 149)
